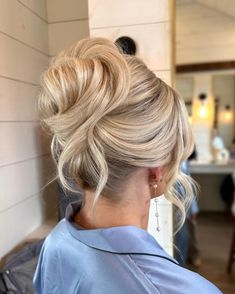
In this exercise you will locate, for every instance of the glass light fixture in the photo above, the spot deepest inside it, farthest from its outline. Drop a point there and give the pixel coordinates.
(228, 114)
(202, 112)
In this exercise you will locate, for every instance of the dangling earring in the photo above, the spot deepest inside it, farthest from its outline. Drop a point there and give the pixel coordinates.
(156, 207)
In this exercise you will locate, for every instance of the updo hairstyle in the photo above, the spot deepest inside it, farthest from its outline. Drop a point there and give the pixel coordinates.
(110, 115)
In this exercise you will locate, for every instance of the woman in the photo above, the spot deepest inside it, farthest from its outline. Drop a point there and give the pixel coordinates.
(120, 134)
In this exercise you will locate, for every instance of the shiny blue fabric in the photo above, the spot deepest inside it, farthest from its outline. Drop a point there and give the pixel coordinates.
(116, 260)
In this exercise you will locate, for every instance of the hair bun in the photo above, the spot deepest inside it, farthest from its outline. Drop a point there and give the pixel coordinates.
(83, 84)
(93, 75)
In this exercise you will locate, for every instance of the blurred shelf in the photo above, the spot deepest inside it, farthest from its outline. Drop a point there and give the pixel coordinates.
(212, 168)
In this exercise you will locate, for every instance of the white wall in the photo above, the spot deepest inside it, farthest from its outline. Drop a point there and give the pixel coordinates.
(148, 23)
(141, 21)
(204, 33)
(24, 161)
(226, 6)
(67, 23)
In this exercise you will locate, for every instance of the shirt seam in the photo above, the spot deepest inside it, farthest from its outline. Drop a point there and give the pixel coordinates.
(145, 274)
(60, 268)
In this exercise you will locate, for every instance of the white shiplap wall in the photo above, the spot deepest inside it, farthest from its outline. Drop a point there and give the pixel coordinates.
(226, 7)
(148, 23)
(140, 20)
(204, 33)
(25, 165)
(67, 23)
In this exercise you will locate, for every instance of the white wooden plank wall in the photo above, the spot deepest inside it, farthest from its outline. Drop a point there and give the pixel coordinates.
(147, 22)
(25, 165)
(141, 21)
(225, 6)
(205, 31)
(67, 23)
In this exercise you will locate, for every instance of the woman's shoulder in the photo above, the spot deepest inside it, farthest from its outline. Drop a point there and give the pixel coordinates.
(60, 238)
(170, 277)
(55, 237)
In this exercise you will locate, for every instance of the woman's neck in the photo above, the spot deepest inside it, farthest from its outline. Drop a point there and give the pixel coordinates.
(131, 210)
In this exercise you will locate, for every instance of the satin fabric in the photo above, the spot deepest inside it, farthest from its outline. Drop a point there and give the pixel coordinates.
(116, 260)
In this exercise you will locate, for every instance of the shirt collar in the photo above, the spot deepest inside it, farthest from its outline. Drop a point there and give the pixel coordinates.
(117, 240)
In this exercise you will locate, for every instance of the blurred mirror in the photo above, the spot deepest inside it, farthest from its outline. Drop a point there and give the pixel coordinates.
(224, 93)
(205, 78)
(205, 66)
(185, 87)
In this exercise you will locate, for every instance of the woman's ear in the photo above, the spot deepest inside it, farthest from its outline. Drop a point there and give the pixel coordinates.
(156, 181)
(156, 173)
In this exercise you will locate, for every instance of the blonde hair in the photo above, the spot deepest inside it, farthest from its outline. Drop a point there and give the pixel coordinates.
(109, 115)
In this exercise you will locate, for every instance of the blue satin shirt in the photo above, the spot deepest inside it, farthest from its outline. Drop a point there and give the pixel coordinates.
(116, 260)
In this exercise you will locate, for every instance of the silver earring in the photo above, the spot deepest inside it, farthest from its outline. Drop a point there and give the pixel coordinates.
(156, 207)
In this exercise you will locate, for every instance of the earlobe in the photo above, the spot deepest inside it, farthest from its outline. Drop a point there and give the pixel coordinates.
(156, 173)
(156, 181)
